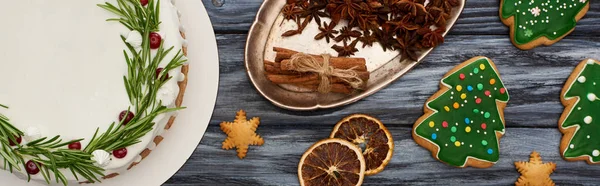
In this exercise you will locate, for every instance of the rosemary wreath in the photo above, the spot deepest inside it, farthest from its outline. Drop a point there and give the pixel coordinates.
(141, 83)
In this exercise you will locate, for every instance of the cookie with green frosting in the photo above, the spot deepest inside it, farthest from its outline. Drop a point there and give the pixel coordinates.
(541, 22)
(580, 121)
(464, 120)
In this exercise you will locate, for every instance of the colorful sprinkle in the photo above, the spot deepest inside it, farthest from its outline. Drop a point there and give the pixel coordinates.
(487, 93)
(455, 105)
(483, 126)
(490, 151)
(447, 108)
(457, 143)
(475, 70)
(453, 129)
(452, 138)
(483, 142)
(470, 88)
(462, 76)
(463, 96)
(458, 88)
(486, 115)
(482, 67)
(431, 124)
(479, 86)
(467, 121)
(445, 124)
(478, 100)
(492, 81)
(475, 110)
(502, 90)
(433, 136)
(468, 129)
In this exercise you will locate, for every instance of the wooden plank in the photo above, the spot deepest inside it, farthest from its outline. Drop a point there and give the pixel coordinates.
(275, 163)
(534, 79)
(479, 17)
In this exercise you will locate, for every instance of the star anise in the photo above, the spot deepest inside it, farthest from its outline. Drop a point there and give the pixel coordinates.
(314, 11)
(446, 5)
(347, 9)
(408, 46)
(414, 7)
(403, 24)
(327, 32)
(346, 34)
(364, 22)
(367, 39)
(290, 11)
(431, 38)
(438, 16)
(346, 50)
(385, 37)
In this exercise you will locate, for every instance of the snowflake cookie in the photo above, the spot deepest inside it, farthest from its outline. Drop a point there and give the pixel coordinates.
(535, 172)
(541, 22)
(241, 133)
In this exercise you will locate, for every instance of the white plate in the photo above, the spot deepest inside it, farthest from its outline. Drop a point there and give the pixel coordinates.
(181, 140)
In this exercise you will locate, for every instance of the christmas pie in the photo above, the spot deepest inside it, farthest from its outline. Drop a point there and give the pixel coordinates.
(88, 87)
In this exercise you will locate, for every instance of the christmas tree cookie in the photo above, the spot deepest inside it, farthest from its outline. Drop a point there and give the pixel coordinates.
(580, 121)
(536, 22)
(464, 120)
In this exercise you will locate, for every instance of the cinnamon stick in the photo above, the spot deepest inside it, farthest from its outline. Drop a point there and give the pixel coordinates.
(275, 68)
(357, 64)
(291, 79)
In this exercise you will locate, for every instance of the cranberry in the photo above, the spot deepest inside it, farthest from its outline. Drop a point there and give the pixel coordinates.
(75, 146)
(31, 167)
(144, 2)
(12, 143)
(120, 153)
(158, 71)
(155, 40)
(126, 117)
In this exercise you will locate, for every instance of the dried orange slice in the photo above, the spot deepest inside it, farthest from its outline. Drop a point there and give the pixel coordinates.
(332, 162)
(371, 136)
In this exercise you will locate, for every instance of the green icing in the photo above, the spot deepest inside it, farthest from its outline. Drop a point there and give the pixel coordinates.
(474, 140)
(555, 19)
(586, 140)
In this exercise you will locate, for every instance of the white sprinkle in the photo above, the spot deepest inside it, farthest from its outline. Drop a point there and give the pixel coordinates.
(581, 79)
(587, 119)
(595, 153)
(592, 97)
(590, 62)
(572, 146)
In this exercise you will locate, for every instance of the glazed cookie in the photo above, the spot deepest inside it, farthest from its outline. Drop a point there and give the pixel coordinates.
(541, 22)
(580, 121)
(464, 120)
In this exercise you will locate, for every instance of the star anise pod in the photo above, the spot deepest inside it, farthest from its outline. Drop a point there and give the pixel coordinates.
(347, 9)
(314, 11)
(346, 34)
(385, 37)
(367, 39)
(327, 32)
(365, 22)
(414, 7)
(438, 16)
(431, 38)
(408, 46)
(346, 50)
(290, 11)
(403, 24)
(446, 5)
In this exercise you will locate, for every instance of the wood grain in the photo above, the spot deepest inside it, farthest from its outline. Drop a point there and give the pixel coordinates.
(534, 79)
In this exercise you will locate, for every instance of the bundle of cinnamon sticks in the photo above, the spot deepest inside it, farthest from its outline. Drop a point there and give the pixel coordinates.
(281, 72)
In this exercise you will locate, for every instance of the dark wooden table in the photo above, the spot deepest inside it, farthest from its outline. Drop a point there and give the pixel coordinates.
(534, 79)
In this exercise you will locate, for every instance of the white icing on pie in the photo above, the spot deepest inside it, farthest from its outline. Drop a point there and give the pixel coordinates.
(63, 67)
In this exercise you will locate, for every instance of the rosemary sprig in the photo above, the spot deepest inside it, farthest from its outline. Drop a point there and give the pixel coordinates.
(51, 155)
